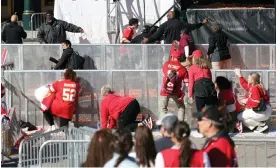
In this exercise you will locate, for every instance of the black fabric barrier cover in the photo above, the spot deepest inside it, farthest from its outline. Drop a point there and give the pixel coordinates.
(252, 26)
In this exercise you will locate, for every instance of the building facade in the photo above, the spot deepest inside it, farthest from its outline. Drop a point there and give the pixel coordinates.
(9, 7)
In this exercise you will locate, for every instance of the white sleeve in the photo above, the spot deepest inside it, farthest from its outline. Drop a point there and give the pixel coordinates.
(206, 160)
(186, 49)
(159, 161)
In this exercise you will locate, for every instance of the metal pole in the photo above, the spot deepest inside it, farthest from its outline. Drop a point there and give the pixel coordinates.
(175, 3)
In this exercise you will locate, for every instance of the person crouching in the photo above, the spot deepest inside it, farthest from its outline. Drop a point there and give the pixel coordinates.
(117, 111)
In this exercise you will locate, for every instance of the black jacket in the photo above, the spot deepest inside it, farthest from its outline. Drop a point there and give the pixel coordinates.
(13, 34)
(63, 62)
(218, 46)
(171, 29)
(56, 32)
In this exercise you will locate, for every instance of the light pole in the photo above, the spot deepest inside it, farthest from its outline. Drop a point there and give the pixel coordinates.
(27, 13)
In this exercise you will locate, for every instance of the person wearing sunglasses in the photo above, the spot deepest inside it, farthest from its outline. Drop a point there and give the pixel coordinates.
(219, 146)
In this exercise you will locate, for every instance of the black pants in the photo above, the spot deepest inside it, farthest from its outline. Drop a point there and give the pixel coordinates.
(128, 117)
(61, 122)
(203, 101)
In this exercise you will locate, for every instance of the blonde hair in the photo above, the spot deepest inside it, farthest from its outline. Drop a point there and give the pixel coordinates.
(256, 80)
(105, 90)
(201, 63)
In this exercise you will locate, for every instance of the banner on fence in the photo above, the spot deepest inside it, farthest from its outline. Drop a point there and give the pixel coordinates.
(251, 26)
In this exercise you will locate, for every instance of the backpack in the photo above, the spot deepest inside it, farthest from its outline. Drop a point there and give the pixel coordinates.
(76, 61)
(205, 87)
(171, 82)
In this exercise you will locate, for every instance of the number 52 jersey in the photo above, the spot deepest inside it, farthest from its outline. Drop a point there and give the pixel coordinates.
(65, 102)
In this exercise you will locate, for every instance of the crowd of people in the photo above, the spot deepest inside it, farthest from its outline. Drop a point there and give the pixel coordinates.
(186, 73)
(174, 149)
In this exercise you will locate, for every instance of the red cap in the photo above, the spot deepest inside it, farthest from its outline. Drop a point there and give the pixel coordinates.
(176, 54)
(197, 54)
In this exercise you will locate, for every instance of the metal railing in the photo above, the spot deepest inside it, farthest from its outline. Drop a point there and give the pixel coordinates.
(132, 56)
(250, 152)
(31, 149)
(141, 84)
(37, 19)
(63, 153)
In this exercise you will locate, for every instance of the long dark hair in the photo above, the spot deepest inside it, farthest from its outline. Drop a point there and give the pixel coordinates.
(182, 133)
(223, 83)
(100, 151)
(123, 144)
(144, 146)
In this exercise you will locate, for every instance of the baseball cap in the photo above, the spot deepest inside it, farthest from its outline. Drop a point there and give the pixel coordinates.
(176, 54)
(196, 54)
(168, 121)
(212, 113)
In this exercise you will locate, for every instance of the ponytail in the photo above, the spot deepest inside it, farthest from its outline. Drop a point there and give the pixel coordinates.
(182, 132)
(185, 153)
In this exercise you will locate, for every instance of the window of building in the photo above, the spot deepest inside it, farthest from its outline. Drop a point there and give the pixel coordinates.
(49, 2)
(4, 2)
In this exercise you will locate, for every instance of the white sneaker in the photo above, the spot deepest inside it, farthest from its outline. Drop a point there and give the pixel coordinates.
(261, 128)
(196, 134)
(51, 128)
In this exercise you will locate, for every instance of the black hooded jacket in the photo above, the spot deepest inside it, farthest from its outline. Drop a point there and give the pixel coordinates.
(13, 34)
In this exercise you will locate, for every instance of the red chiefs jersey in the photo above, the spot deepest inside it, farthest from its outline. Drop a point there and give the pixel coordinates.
(66, 92)
(128, 33)
(171, 158)
(221, 152)
(255, 94)
(182, 77)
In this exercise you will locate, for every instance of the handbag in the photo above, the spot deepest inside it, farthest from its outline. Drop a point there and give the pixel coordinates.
(262, 105)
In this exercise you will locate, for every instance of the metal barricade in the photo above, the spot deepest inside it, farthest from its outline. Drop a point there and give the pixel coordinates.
(10, 131)
(63, 153)
(255, 152)
(29, 147)
(132, 56)
(80, 134)
(37, 19)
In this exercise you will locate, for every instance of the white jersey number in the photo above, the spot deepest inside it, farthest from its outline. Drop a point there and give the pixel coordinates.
(69, 94)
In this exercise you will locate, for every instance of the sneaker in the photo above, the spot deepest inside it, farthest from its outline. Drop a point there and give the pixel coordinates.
(51, 128)
(149, 120)
(261, 128)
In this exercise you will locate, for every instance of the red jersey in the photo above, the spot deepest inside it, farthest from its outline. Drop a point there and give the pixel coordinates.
(128, 33)
(64, 104)
(182, 77)
(171, 158)
(111, 108)
(228, 96)
(255, 94)
(196, 73)
(221, 152)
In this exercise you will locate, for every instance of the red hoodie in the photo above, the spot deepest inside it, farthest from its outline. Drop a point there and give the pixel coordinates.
(255, 93)
(196, 73)
(111, 108)
(228, 96)
(182, 77)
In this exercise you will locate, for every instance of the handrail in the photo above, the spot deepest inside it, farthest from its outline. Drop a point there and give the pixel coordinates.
(56, 141)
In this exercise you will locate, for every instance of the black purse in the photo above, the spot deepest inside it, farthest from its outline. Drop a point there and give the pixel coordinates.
(261, 107)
